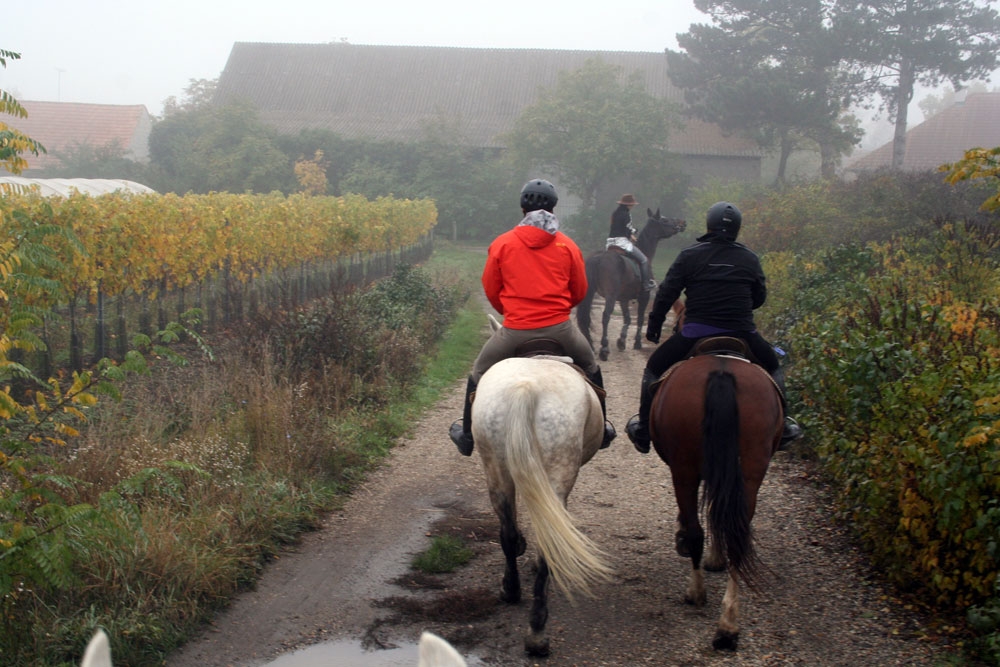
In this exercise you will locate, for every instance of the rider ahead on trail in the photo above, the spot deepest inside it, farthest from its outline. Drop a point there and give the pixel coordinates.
(534, 276)
(724, 283)
(622, 234)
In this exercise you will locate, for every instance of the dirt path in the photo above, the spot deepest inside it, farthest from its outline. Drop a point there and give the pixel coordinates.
(352, 578)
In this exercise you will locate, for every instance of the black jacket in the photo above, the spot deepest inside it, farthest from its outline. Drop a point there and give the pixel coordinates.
(621, 223)
(723, 282)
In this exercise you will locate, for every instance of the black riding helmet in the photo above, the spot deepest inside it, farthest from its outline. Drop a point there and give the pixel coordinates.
(538, 194)
(724, 218)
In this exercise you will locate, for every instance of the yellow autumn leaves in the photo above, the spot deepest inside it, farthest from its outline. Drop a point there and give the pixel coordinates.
(144, 243)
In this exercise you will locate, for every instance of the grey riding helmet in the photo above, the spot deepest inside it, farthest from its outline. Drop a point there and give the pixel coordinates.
(538, 194)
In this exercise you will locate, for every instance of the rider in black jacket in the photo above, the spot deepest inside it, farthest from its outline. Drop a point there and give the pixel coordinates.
(723, 283)
(622, 234)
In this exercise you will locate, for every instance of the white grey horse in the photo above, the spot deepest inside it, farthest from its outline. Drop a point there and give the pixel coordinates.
(535, 422)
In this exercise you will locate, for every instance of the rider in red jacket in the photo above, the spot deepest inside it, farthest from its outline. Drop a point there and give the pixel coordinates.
(534, 276)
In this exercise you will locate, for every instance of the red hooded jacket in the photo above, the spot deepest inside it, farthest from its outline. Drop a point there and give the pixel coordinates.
(533, 277)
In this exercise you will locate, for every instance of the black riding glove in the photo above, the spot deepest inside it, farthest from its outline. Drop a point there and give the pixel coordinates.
(654, 325)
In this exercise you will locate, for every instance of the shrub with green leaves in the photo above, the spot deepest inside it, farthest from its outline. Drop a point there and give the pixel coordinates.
(372, 336)
(897, 370)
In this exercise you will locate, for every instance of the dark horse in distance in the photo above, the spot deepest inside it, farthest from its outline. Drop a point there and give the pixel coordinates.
(717, 418)
(616, 278)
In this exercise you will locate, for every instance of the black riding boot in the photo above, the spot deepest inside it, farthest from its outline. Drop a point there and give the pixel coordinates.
(638, 426)
(461, 431)
(609, 428)
(791, 430)
(646, 276)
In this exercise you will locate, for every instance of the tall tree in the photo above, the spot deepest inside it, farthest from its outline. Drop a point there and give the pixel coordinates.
(199, 93)
(596, 126)
(900, 43)
(769, 71)
(220, 149)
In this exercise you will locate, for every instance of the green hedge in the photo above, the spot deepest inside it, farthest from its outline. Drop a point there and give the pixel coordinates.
(886, 293)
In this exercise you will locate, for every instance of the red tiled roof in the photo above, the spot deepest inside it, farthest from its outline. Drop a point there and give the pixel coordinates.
(59, 125)
(944, 137)
(390, 92)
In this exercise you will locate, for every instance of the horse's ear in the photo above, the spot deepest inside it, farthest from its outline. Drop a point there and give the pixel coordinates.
(657, 213)
(436, 652)
(649, 213)
(98, 652)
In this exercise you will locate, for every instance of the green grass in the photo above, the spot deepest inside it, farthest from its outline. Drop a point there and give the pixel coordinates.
(446, 553)
(465, 262)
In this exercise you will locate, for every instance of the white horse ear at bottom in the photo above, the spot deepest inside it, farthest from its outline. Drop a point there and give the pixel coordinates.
(434, 652)
(98, 653)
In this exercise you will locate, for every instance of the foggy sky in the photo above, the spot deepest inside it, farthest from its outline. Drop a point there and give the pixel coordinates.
(127, 52)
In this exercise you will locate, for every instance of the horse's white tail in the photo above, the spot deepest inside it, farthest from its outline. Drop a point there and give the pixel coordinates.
(575, 562)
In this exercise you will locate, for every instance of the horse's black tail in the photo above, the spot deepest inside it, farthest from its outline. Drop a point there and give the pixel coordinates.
(725, 496)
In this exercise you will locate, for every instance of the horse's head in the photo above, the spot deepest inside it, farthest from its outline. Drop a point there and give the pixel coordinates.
(663, 226)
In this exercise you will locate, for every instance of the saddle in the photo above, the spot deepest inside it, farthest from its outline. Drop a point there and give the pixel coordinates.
(629, 260)
(553, 349)
(727, 346)
(722, 346)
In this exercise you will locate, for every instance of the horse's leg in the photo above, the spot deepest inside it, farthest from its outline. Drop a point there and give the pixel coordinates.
(609, 307)
(640, 317)
(728, 632)
(536, 643)
(690, 538)
(715, 560)
(626, 321)
(513, 544)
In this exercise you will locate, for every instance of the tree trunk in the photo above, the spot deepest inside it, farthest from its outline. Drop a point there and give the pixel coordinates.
(786, 150)
(827, 160)
(904, 93)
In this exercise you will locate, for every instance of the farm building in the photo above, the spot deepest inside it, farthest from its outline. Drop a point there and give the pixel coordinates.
(972, 122)
(391, 92)
(59, 126)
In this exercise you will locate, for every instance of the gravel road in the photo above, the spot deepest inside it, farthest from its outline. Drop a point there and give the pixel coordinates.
(351, 580)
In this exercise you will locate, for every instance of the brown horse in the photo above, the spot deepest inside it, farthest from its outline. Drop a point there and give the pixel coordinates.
(717, 417)
(616, 278)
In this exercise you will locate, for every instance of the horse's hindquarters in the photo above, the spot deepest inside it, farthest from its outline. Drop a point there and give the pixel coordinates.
(715, 420)
(535, 422)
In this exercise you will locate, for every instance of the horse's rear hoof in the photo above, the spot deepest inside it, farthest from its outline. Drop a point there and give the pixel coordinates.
(637, 345)
(680, 542)
(621, 345)
(603, 354)
(535, 646)
(725, 641)
(696, 599)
